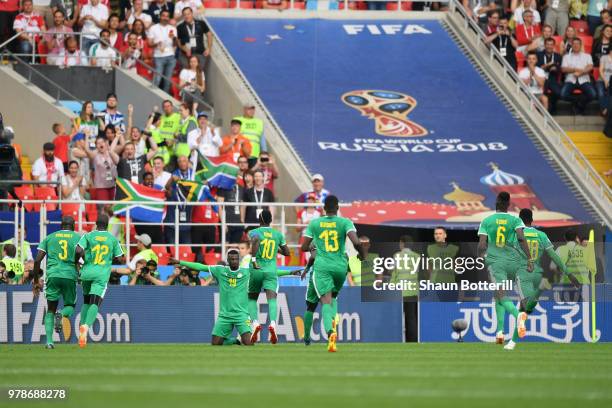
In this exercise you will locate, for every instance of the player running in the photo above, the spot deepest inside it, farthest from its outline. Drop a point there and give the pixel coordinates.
(61, 275)
(529, 283)
(501, 236)
(329, 236)
(265, 243)
(98, 248)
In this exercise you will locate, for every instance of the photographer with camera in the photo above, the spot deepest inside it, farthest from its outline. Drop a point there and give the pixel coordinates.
(6, 277)
(145, 270)
(181, 276)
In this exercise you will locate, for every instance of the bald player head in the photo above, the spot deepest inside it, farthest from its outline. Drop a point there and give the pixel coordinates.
(102, 222)
(67, 223)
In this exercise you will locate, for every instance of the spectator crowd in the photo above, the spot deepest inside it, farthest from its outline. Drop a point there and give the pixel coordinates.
(560, 48)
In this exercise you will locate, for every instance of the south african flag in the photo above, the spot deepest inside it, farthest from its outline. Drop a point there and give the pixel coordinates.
(128, 192)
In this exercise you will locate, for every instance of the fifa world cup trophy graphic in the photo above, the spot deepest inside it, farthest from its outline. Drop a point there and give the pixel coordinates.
(389, 110)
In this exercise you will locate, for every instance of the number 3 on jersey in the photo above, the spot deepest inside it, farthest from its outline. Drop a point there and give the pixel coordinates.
(101, 251)
(331, 240)
(64, 245)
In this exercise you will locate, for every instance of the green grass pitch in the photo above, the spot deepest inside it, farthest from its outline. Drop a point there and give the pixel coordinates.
(292, 375)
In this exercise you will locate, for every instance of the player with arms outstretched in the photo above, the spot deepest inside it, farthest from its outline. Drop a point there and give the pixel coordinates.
(99, 249)
(329, 236)
(61, 275)
(538, 243)
(265, 243)
(501, 237)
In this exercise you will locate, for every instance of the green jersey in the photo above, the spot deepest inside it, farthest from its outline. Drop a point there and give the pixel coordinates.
(437, 258)
(573, 257)
(538, 243)
(100, 248)
(329, 236)
(233, 289)
(59, 248)
(500, 229)
(270, 240)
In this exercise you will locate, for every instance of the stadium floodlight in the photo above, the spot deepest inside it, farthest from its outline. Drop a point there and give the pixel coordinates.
(459, 325)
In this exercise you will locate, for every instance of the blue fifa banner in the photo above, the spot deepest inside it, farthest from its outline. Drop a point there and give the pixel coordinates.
(552, 321)
(148, 314)
(396, 105)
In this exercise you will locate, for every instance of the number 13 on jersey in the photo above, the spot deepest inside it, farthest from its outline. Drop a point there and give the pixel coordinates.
(330, 237)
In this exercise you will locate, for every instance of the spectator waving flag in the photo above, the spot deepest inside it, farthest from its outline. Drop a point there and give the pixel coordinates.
(128, 192)
(195, 191)
(219, 172)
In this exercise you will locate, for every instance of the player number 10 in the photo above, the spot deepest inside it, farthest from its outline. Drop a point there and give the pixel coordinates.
(534, 247)
(101, 251)
(331, 240)
(268, 249)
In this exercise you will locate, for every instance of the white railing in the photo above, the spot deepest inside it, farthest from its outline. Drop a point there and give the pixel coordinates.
(284, 219)
(562, 146)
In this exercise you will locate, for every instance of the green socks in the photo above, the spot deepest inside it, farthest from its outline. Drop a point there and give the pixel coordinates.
(308, 317)
(509, 307)
(67, 311)
(253, 310)
(334, 304)
(328, 316)
(91, 315)
(84, 311)
(272, 309)
(49, 318)
(500, 312)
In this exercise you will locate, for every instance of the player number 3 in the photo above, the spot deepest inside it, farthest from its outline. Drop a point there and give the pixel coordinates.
(64, 245)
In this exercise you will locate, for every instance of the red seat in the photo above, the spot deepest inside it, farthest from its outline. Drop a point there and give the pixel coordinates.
(184, 253)
(558, 42)
(299, 5)
(215, 4)
(520, 60)
(163, 259)
(581, 27)
(23, 193)
(211, 258)
(587, 43)
(43, 51)
(46, 193)
(243, 4)
(71, 210)
(595, 74)
(406, 6)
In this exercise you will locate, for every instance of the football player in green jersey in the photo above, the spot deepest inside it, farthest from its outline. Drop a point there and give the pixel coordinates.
(538, 243)
(265, 243)
(501, 237)
(61, 275)
(99, 249)
(329, 234)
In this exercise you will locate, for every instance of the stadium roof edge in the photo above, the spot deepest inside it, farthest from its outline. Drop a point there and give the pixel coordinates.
(324, 14)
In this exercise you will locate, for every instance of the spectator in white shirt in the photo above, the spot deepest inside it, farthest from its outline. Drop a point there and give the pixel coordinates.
(101, 54)
(603, 83)
(526, 5)
(534, 77)
(138, 14)
(192, 81)
(70, 55)
(48, 167)
(205, 139)
(93, 18)
(161, 176)
(162, 37)
(577, 67)
(28, 20)
(56, 36)
(74, 184)
(131, 54)
(195, 5)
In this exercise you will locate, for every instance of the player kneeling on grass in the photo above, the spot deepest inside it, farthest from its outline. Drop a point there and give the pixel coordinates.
(233, 301)
(99, 249)
(265, 243)
(61, 277)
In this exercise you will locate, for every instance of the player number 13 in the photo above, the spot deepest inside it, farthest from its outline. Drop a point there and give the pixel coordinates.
(331, 240)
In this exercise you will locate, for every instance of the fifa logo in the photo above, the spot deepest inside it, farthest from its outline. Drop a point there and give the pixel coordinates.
(389, 110)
